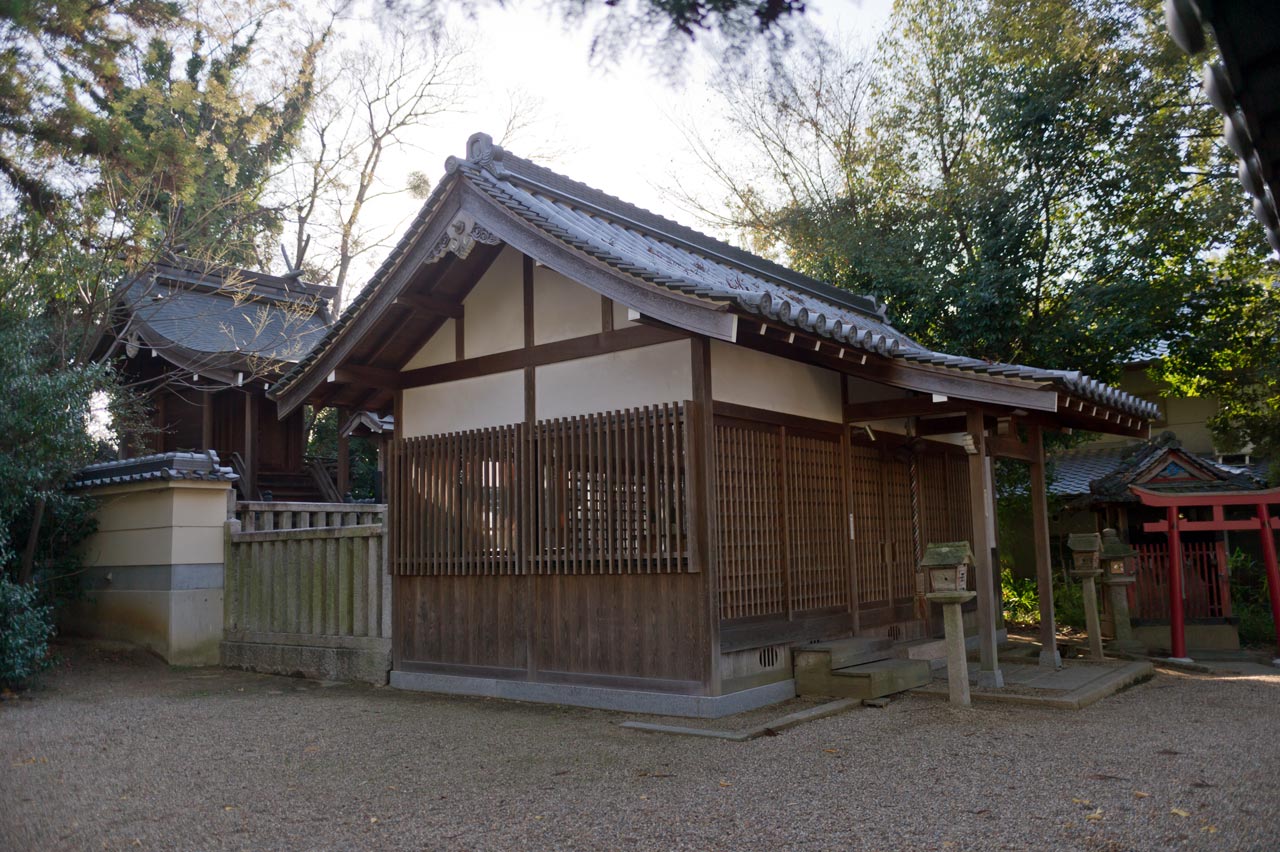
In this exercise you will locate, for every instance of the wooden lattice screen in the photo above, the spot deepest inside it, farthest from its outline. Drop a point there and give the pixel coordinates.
(748, 495)
(945, 514)
(596, 494)
(610, 493)
(781, 521)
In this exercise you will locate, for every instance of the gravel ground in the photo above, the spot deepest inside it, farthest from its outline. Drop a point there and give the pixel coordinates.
(118, 751)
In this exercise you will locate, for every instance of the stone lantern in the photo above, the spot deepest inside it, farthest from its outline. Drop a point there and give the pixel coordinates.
(1086, 552)
(1117, 576)
(948, 566)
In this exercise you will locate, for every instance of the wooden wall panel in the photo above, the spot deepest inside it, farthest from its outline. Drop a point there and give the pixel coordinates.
(460, 621)
(818, 530)
(622, 626)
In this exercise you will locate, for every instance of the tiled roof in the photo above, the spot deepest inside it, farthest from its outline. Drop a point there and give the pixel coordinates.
(669, 255)
(163, 466)
(234, 313)
(1105, 473)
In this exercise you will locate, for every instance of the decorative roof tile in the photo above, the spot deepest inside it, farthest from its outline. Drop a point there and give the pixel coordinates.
(162, 466)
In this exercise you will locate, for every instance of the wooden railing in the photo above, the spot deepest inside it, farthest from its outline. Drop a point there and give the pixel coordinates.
(596, 494)
(297, 571)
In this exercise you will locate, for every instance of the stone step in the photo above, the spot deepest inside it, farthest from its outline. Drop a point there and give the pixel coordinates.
(934, 651)
(885, 677)
(842, 653)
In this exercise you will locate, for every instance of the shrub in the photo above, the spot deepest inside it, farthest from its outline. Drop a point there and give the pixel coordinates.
(1068, 604)
(1250, 602)
(25, 629)
(1019, 599)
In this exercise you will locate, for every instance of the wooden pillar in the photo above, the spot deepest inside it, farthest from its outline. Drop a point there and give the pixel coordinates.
(529, 606)
(702, 504)
(980, 505)
(1049, 656)
(1177, 616)
(251, 445)
(1273, 569)
(206, 421)
(344, 456)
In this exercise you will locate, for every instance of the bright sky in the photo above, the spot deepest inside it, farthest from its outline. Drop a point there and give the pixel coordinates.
(614, 128)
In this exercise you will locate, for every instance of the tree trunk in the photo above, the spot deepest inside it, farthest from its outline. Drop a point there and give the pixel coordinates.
(25, 568)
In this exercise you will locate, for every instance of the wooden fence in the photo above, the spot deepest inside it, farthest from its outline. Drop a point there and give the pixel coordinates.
(307, 576)
(596, 494)
(1205, 584)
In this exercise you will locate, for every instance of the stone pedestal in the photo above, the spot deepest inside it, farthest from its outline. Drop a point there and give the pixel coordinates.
(957, 660)
(1117, 586)
(1091, 620)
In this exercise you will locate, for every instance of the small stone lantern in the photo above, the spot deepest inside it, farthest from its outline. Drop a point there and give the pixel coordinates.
(1117, 576)
(1086, 551)
(948, 565)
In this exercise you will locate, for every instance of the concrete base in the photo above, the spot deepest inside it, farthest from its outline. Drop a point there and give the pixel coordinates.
(1200, 637)
(368, 661)
(600, 698)
(181, 625)
(990, 679)
(1050, 658)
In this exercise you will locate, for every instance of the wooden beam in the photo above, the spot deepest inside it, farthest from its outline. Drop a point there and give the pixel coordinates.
(912, 406)
(251, 444)
(775, 418)
(430, 305)
(1009, 447)
(357, 374)
(344, 456)
(206, 420)
(632, 337)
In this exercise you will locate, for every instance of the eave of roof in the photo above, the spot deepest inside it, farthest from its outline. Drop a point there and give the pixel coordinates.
(669, 256)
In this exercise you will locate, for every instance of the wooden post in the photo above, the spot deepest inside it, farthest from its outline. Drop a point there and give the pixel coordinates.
(344, 457)
(980, 507)
(1177, 617)
(1273, 570)
(251, 445)
(206, 421)
(702, 503)
(1049, 656)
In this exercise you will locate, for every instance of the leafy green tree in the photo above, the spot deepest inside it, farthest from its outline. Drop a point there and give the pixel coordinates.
(1024, 182)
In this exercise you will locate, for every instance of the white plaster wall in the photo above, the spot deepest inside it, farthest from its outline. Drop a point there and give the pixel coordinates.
(439, 349)
(465, 404)
(652, 374)
(493, 312)
(562, 309)
(620, 316)
(747, 377)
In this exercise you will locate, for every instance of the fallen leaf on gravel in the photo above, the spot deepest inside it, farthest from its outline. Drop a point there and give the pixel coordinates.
(373, 819)
(311, 749)
(1082, 801)
(1212, 829)
(1179, 812)
(1138, 794)
(228, 807)
(32, 760)
(832, 750)
(724, 783)
(1095, 816)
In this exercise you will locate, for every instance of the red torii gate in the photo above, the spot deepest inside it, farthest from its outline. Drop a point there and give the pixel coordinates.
(1173, 526)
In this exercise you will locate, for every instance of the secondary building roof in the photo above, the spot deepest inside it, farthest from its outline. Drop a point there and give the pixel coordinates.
(675, 274)
(217, 321)
(1104, 474)
(205, 467)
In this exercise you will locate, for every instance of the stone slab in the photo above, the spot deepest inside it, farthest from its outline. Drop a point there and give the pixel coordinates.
(319, 663)
(783, 723)
(1103, 680)
(600, 698)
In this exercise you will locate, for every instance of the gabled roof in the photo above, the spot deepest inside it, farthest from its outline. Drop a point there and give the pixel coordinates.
(662, 255)
(215, 320)
(1104, 474)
